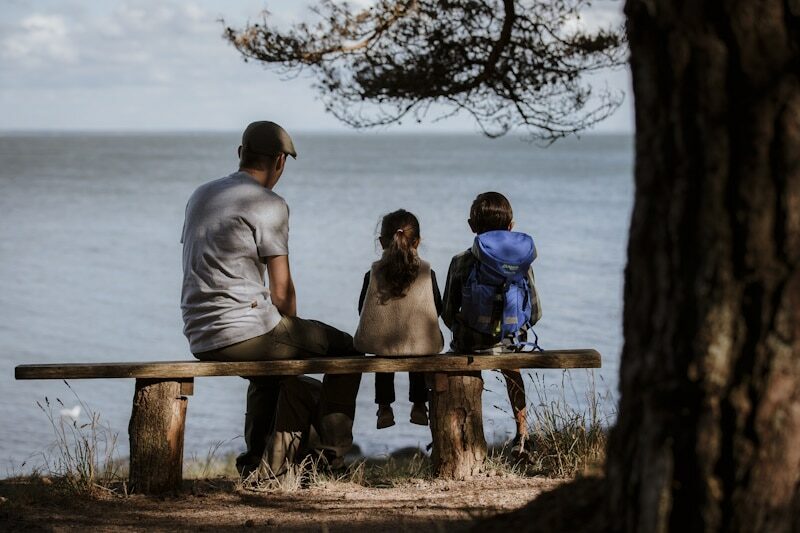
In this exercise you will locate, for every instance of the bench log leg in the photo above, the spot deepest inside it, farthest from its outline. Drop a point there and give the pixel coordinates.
(156, 435)
(456, 417)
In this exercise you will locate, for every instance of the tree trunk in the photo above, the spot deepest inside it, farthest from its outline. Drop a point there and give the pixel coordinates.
(156, 436)
(456, 417)
(709, 418)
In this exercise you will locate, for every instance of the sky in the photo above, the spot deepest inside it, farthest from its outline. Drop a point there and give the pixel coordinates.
(162, 65)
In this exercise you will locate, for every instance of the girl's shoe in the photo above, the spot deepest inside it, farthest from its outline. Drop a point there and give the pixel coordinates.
(419, 414)
(385, 416)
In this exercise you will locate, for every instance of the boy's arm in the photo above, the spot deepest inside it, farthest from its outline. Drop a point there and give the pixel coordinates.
(452, 296)
(536, 305)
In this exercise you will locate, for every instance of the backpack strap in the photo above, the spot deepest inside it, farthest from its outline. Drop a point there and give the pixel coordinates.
(527, 346)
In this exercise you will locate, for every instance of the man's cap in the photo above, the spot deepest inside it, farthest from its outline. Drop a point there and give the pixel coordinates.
(267, 138)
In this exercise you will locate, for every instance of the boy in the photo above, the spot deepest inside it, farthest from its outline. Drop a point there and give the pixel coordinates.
(491, 212)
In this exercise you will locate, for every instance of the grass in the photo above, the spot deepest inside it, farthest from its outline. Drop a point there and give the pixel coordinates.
(567, 437)
(212, 465)
(82, 458)
(373, 472)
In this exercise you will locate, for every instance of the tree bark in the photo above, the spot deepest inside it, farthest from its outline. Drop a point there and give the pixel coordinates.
(156, 436)
(709, 418)
(456, 418)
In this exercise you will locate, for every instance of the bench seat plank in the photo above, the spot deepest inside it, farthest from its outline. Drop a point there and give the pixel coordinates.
(340, 365)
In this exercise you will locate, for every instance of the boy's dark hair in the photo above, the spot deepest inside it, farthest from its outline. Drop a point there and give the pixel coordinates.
(256, 161)
(490, 211)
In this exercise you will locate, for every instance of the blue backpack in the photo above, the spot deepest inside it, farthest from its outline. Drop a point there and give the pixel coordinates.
(495, 298)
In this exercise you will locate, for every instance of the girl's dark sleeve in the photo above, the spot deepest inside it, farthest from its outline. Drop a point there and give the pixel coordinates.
(363, 292)
(437, 296)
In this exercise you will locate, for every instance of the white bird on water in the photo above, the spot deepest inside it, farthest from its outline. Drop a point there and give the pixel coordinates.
(73, 413)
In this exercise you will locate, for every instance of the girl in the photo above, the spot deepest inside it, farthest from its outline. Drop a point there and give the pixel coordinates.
(399, 307)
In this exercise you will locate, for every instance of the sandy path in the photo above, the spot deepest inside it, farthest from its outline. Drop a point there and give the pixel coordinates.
(218, 506)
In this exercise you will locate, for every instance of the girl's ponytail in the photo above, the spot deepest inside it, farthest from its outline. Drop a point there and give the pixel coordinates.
(399, 264)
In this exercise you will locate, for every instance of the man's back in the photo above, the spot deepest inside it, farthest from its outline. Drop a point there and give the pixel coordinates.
(231, 223)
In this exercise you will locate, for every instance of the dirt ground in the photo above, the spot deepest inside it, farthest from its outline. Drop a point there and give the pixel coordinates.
(36, 505)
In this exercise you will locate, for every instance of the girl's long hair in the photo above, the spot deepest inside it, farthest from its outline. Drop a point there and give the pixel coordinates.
(399, 265)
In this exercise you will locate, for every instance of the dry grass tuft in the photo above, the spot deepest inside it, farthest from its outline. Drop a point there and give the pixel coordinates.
(82, 459)
(212, 464)
(310, 472)
(567, 438)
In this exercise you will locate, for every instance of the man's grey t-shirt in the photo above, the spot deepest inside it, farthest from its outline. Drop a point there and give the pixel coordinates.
(231, 225)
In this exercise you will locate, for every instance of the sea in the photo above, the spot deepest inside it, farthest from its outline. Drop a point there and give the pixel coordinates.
(90, 264)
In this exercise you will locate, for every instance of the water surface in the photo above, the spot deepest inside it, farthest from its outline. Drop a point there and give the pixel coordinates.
(90, 263)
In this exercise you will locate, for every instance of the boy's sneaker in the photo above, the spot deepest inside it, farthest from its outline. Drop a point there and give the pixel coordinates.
(520, 449)
(385, 416)
(419, 414)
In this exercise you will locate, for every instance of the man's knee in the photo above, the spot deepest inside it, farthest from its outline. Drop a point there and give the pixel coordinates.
(343, 345)
(338, 342)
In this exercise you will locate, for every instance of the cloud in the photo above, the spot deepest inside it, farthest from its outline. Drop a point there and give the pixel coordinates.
(148, 64)
(151, 64)
(39, 40)
(143, 43)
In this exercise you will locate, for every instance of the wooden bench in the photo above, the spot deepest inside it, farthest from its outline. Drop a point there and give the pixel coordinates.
(159, 404)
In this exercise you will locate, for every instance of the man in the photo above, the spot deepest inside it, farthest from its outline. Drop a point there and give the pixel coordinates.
(236, 230)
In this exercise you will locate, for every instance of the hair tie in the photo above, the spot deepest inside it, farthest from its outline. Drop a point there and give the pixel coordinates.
(400, 230)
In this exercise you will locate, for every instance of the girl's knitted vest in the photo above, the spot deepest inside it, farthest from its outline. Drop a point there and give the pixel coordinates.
(400, 326)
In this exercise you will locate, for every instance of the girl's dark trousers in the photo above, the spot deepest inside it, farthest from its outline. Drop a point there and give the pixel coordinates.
(384, 388)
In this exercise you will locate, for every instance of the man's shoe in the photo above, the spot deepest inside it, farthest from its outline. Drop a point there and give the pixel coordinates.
(419, 414)
(245, 465)
(385, 416)
(329, 461)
